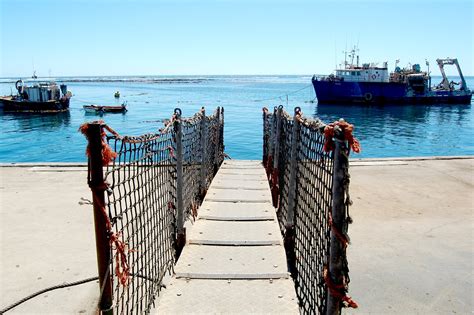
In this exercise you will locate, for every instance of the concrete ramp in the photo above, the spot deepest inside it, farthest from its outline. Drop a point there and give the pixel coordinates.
(234, 260)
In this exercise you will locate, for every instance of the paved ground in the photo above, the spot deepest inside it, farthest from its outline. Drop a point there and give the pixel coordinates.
(46, 239)
(411, 252)
(412, 236)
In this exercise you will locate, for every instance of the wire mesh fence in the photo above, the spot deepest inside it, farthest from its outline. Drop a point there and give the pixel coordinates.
(301, 174)
(140, 186)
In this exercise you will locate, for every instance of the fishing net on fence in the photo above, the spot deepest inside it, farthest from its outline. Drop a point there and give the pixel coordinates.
(192, 155)
(312, 201)
(141, 201)
(140, 190)
(214, 145)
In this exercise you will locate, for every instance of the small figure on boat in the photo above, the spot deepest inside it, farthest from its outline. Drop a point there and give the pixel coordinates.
(117, 94)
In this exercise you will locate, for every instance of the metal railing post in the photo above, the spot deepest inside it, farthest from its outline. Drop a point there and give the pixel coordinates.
(98, 187)
(290, 219)
(203, 184)
(222, 133)
(265, 139)
(218, 142)
(337, 249)
(181, 231)
(276, 157)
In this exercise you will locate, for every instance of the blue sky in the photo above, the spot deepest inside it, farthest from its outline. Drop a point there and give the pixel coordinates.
(82, 37)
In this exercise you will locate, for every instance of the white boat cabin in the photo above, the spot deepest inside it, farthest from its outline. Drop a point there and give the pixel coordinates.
(366, 73)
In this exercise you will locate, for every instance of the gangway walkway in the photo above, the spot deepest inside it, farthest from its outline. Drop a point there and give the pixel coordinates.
(234, 259)
(147, 190)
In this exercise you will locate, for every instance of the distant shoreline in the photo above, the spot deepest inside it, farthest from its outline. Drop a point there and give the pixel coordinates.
(154, 79)
(119, 79)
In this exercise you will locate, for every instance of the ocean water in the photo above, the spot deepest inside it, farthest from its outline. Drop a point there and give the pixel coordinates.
(384, 131)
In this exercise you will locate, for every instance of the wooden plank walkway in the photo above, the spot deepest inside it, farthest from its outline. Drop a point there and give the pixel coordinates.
(234, 260)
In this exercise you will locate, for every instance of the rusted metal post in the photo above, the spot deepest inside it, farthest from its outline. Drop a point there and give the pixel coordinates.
(218, 142)
(337, 250)
(276, 157)
(98, 186)
(181, 231)
(271, 135)
(290, 219)
(222, 132)
(265, 138)
(202, 182)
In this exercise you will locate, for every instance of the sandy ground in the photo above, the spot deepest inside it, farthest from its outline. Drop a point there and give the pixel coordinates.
(411, 252)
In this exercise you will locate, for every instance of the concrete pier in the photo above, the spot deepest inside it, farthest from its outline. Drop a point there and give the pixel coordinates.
(411, 252)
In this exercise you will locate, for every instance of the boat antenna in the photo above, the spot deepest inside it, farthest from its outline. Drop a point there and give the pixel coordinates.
(345, 56)
(34, 71)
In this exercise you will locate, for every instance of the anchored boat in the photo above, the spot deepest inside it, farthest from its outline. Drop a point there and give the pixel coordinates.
(369, 84)
(40, 97)
(101, 109)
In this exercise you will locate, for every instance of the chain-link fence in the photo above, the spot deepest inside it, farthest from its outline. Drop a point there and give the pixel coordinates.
(306, 193)
(144, 188)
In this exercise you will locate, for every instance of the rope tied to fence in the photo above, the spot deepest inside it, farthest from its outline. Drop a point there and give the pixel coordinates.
(108, 155)
(339, 291)
(346, 128)
(342, 237)
(122, 268)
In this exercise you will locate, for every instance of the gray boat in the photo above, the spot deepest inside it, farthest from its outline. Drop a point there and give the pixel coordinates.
(41, 97)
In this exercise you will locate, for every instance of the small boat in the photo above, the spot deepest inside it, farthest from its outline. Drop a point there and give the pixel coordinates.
(41, 97)
(101, 109)
(117, 94)
(369, 84)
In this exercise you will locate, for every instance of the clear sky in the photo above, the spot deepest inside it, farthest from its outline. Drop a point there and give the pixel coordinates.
(145, 37)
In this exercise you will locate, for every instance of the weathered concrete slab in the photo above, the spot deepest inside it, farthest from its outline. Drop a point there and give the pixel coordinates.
(235, 233)
(242, 163)
(228, 297)
(236, 176)
(238, 195)
(241, 211)
(232, 262)
(243, 171)
(236, 238)
(229, 183)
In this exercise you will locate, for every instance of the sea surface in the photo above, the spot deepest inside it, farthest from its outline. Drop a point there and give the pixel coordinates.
(384, 131)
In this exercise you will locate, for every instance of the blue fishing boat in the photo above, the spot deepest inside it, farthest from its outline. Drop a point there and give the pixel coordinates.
(370, 84)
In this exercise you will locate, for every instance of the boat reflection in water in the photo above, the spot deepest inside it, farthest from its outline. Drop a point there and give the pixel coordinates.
(36, 121)
(418, 127)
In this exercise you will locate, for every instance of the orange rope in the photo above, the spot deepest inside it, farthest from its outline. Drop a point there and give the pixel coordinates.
(347, 131)
(122, 269)
(341, 237)
(337, 290)
(107, 153)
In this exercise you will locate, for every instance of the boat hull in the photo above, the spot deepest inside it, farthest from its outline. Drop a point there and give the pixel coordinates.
(97, 109)
(342, 92)
(56, 106)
